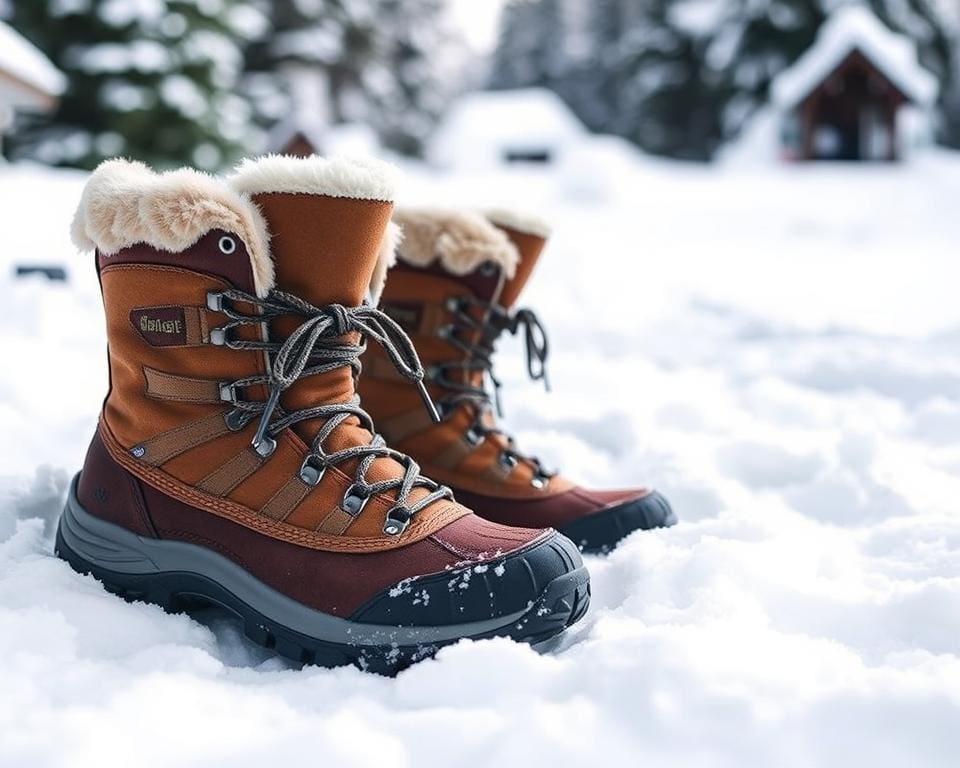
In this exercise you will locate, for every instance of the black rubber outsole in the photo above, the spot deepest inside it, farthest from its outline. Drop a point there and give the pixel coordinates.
(562, 602)
(599, 534)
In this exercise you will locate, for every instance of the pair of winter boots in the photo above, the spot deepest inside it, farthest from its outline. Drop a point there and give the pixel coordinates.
(233, 463)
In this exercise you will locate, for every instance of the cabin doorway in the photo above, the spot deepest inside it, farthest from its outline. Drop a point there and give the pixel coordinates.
(851, 116)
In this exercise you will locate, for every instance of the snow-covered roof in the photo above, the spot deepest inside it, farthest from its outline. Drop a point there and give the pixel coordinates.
(854, 28)
(523, 119)
(27, 77)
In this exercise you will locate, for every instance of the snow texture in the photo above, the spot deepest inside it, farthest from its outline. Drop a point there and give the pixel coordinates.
(492, 123)
(777, 354)
(22, 60)
(854, 28)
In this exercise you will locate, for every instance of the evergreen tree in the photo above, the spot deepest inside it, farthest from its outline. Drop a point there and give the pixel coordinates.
(681, 77)
(406, 84)
(301, 36)
(530, 51)
(376, 61)
(152, 80)
(671, 96)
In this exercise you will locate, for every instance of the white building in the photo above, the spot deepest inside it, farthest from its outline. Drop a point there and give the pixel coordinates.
(491, 128)
(28, 81)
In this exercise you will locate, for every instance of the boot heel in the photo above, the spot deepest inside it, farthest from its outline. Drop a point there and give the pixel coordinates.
(95, 546)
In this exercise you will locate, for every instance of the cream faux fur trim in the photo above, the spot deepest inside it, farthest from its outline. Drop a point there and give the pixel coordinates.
(387, 257)
(460, 240)
(365, 179)
(124, 203)
(522, 222)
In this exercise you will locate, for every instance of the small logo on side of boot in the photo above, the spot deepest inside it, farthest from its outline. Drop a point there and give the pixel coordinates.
(407, 316)
(160, 326)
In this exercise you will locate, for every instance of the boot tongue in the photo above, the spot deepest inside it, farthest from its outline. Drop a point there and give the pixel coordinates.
(529, 245)
(325, 249)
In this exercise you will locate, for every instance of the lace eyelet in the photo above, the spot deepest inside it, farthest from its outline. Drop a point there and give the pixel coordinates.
(218, 337)
(227, 245)
(397, 520)
(353, 500)
(473, 437)
(215, 301)
(236, 419)
(312, 469)
(454, 305)
(444, 332)
(488, 269)
(228, 392)
(265, 446)
(507, 461)
(539, 481)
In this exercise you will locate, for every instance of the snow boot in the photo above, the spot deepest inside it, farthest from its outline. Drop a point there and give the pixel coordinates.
(454, 291)
(232, 463)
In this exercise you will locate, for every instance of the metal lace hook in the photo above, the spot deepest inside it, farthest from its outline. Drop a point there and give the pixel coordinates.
(262, 443)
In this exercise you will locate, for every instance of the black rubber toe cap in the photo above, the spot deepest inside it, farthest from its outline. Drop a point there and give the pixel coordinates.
(600, 532)
(503, 587)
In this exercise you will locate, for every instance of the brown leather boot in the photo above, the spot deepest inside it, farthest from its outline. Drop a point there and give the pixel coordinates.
(232, 461)
(454, 291)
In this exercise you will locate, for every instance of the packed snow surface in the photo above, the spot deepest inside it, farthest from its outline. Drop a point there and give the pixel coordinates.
(776, 350)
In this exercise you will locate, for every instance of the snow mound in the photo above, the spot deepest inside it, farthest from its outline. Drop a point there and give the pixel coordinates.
(481, 127)
(848, 29)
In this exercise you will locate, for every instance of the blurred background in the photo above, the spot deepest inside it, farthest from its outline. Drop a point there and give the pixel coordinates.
(204, 82)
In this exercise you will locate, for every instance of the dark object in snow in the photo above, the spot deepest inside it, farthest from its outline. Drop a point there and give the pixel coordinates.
(540, 156)
(51, 272)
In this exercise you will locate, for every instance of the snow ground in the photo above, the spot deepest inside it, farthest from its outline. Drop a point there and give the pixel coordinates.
(776, 349)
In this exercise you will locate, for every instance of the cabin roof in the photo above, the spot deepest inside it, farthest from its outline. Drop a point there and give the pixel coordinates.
(855, 29)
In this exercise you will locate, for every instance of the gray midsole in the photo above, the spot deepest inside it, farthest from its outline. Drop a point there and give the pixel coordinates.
(113, 548)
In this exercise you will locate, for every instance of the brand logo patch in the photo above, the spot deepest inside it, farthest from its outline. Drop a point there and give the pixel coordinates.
(160, 326)
(407, 316)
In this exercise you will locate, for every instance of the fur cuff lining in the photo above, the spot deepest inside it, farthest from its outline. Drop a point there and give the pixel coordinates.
(521, 222)
(460, 241)
(385, 259)
(365, 179)
(125, 203)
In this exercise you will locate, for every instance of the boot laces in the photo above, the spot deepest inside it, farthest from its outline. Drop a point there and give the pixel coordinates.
(479, 359)
(316, 347)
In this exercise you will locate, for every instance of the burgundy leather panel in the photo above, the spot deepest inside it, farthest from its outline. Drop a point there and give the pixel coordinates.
(333, 582)
(551, 511)
(203, 256)
(473, 538)
(108, 491)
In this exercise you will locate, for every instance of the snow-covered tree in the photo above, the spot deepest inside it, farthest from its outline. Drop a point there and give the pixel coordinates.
(148, 79)
(406, 82)
(669, 94)
(530, 49)
(680, 77)
(375, 61)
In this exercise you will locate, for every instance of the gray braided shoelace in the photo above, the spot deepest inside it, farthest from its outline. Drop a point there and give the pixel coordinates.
(315, 347)
(479, 359)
